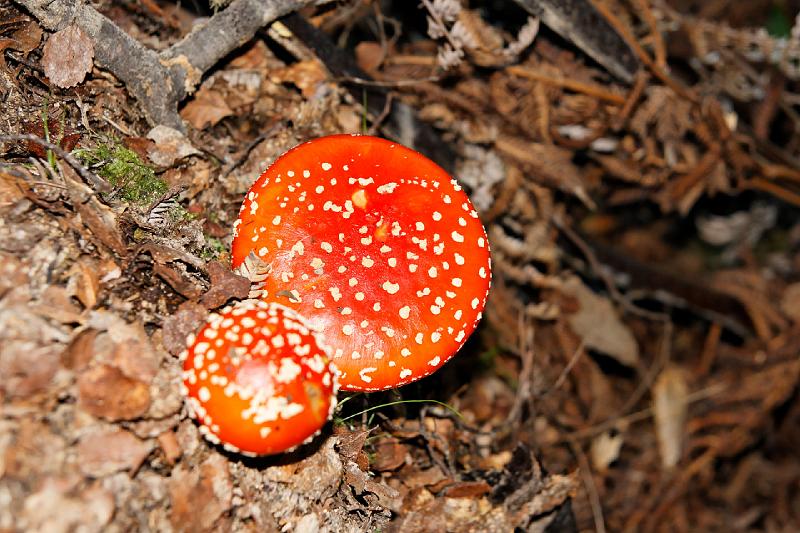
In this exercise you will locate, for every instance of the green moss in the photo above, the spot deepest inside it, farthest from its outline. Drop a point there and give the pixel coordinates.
(778, 24)
(136, 182)
(180, 214)
(213, 249)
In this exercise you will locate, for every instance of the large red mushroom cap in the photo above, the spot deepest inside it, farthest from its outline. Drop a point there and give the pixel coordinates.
(377, 246)
(257, 380)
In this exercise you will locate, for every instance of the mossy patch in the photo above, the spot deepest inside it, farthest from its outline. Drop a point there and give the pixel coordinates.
(135, 181)
(214, 249)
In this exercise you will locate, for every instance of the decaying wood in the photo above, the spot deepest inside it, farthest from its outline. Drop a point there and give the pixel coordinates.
(578, 21)
(160, 81)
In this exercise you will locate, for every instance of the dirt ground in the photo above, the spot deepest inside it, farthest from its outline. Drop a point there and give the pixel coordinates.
(637, 365)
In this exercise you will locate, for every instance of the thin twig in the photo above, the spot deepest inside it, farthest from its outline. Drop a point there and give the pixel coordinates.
(637, 416)
(591, 489)
(446, 465)
(573, 85)
(774, 189)
(640, 52)
(595, 265)
(88, 176)
(272, 130)
(525, 378)
(387, 108)
(634, 94)
(650, 376)
(387, 83)
(579, 351)
(659, 49)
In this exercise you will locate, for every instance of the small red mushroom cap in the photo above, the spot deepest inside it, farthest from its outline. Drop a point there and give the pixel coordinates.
(257, 380)
(377, 246)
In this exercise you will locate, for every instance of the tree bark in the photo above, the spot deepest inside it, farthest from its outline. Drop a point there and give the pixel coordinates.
(159, 81)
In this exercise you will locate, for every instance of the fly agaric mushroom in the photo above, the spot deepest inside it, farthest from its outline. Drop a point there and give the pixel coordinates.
(378, 246)
(257, 380)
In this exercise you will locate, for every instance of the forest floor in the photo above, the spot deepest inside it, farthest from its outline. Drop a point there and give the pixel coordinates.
(637, 367)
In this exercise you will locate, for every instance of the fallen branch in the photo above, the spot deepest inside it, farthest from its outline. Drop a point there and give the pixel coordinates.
(159, 81)
(97, 183)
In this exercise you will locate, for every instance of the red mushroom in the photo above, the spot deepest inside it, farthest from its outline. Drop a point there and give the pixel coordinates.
(257, 380)
(377, 246)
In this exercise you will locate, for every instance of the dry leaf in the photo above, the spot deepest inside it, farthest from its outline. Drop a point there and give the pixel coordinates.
(170, 446)
(106, 452)
(790, 302)
(605, 450)
(548, 164)
(207, 108)
(351, 445)
(169, 146)
(224, 286)
(26, 368)
(201, 495)
(27, 38)
(369, 55)
(55, 507)
(305, 75)
(84, 282)
(105, 392)
(67, 56)
(467, 489)
(178, 326)
(670, 393)
(56, 304)
(100, 219)
(598, 324)
(389, 455)
(80, 351)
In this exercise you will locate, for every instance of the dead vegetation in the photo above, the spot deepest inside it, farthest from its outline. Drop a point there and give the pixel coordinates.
(638, 365)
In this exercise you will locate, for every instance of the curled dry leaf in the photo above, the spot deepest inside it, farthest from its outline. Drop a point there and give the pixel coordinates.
(80, 350)
(316, 477)
(105, 392)
(206, 109)
(605, 450)
(170, 446)
(670, 403)
(95, 215)
(224, 286)
(89, 510)
(26, 39)
(169, 146)
(177, 327)
(390, 454)
(105, 452)
(598, 324)
(68, 56)
(467, 489)
(790, 302)
(305, 75)
(201, 494)
(84, 281)
(351, 445)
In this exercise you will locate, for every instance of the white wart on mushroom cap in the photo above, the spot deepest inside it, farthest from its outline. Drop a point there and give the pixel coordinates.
(257, 380)
(377, 246)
